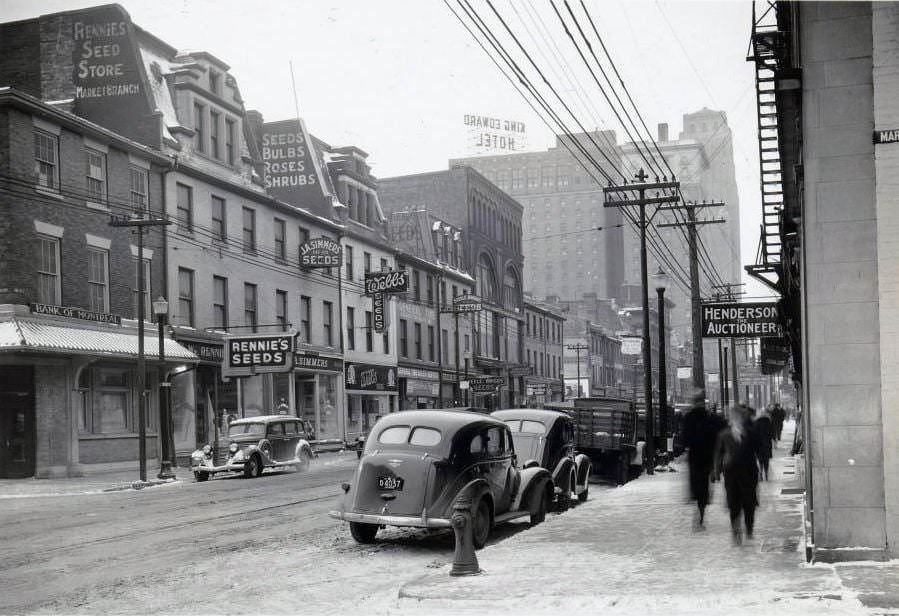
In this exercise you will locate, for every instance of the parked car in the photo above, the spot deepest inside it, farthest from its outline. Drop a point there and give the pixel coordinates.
(416, 463)
(547, 439)
(257, 443)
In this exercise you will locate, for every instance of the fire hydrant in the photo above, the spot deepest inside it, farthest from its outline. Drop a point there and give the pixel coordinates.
(464, 560)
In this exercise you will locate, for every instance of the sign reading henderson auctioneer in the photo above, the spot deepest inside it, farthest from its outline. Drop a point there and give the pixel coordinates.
(741, 320)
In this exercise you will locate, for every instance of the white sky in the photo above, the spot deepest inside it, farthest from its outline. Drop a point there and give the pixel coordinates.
(395, 78)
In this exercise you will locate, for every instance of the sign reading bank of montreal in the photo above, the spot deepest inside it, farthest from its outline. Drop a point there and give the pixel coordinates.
(736, 320)
(262, 353)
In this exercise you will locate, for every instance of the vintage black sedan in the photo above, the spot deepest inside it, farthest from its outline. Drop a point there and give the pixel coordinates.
(547, 439)
(257, 443)
(416, 463)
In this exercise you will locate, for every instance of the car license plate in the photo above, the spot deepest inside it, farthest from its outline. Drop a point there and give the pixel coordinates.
(390, 483)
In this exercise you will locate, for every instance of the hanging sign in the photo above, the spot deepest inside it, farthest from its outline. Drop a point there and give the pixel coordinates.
(775, 354)
(379, 310)
(320, 252)
(386, 282)
(631, 345)
(252, 354)
(741, 320)
(485, 384)
(684, 372)
(467, 303)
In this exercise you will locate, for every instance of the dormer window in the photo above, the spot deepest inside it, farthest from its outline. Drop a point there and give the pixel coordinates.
(215, 83)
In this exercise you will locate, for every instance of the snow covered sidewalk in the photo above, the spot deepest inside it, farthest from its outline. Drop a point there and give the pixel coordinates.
(632, 550)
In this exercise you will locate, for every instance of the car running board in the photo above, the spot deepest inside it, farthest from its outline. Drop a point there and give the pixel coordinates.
(512, 515)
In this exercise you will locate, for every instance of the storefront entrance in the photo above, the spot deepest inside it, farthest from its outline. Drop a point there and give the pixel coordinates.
(17, 436)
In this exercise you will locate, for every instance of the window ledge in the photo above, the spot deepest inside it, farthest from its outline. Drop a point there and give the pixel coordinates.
(50, 192)
(96, 206)
(86, 436)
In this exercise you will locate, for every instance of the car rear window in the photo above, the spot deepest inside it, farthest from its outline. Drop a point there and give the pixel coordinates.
(424, 437)
(394, 435)
(532, 427)
(247, 429)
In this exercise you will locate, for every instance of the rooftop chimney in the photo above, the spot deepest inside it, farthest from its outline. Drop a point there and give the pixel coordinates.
(663, 131)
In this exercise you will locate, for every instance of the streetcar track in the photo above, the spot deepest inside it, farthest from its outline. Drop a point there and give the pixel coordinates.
(131, 535)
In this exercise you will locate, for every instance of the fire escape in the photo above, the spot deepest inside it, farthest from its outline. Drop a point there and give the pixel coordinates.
(769, 51)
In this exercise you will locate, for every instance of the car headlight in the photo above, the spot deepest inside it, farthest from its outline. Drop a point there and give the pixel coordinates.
(238, 457)
(233, 448)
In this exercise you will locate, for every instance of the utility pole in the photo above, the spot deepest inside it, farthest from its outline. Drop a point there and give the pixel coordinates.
(578, 348)
(641, 202)
(695, 300)
(140, 223)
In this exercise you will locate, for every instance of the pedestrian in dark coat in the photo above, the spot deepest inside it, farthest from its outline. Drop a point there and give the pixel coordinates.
(778, 416)
(700, 431)
(735, 456)
(764, 434)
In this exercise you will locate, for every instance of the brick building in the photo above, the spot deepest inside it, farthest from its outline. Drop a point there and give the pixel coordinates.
(68, 292)
(490, 221)
(433, 343)
(544, 331)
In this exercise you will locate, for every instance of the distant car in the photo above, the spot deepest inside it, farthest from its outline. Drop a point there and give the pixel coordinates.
(416, 463)
(547, 438)
(257, 443)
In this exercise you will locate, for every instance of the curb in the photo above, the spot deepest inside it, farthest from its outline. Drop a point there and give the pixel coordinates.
(140, 485)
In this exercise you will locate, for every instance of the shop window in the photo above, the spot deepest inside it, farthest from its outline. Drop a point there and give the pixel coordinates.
(328, 426)
(111, 401)
(98, 279)
(46, 159)
(49, 279)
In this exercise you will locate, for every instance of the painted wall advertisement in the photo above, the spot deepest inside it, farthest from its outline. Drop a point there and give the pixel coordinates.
(291, 167)
(107, 76)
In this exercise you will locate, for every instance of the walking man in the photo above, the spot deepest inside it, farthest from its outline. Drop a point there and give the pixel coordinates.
(700, 430)
(736, 457)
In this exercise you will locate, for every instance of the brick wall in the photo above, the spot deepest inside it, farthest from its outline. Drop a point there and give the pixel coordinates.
(20, 56)
(19, 254)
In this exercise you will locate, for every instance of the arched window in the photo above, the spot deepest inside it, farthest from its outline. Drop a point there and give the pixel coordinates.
(486, 279)
(511, 290)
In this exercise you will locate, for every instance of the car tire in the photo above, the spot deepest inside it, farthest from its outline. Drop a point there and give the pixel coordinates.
(539, 503)
(480, 524)
(253, 467)
(363, 533)
(582, 497)
(305, 460)
(201, 476)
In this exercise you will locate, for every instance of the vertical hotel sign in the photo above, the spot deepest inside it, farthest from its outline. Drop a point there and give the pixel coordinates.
(107, 76)
(293, 172)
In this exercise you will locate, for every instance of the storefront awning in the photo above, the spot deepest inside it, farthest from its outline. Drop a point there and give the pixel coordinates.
(19, 334)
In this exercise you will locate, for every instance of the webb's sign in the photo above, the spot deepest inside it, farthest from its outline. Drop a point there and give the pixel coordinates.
(740, 320)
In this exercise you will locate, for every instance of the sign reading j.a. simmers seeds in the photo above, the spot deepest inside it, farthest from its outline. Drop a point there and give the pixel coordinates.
(245, 355)
(736, 320)
(467, 303)
(320, 252)
(379, 309)
(386, 282)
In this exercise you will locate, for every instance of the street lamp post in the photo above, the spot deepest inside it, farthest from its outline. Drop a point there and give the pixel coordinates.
(660, 279)
(161, 310)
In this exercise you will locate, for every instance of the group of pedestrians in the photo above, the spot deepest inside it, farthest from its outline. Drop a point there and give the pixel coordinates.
(740, 450)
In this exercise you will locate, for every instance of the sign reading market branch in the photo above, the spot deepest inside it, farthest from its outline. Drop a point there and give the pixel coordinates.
(741, 320)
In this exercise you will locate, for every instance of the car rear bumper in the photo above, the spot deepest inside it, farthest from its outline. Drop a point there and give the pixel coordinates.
(391, 520)
(223, 468)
